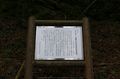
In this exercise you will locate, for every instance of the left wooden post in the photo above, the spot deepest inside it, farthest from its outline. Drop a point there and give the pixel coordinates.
(30, 48)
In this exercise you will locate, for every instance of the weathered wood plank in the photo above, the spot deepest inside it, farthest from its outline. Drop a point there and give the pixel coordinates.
(58, 22)
(87, 49)
(30, 48)
(55, 63)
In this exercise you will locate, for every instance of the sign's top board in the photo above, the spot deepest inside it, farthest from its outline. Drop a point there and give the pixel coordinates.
(65, 43)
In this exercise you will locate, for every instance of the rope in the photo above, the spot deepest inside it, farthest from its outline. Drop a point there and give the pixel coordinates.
(86, 9)
(18, 74)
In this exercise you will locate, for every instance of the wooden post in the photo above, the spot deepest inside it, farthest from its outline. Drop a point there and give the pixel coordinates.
(87, 49)
(30, 48)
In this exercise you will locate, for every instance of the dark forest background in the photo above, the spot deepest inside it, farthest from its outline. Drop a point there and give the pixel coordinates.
(101, 10)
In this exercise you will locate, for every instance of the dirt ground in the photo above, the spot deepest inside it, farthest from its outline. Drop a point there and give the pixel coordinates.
(105, 42)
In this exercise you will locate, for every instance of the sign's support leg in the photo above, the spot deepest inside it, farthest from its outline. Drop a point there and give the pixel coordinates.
(87, 49)
(30, 48)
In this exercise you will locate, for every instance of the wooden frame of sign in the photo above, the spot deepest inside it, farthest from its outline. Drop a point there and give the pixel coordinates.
(30, 62)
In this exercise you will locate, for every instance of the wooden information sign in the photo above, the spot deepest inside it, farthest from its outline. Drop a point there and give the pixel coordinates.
(65, 43)
(58, 43)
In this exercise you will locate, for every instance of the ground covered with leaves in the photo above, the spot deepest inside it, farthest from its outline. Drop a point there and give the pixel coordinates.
(105, 42)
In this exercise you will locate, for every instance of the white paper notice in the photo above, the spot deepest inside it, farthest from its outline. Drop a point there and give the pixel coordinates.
(59, 43)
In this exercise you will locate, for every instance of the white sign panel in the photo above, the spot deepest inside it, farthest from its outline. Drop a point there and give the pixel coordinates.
(64, 43)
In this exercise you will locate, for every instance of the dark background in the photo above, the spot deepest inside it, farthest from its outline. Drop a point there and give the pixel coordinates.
(60, 9)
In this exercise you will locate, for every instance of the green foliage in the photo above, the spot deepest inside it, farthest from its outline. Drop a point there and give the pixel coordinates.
(96, 76)
(113, 72)
(6, 59)
(5, 53)
(1, 36)
(102, 77)
(7, 50)
(15, 60)
(16, 37)
(99, 77)
(103, 69)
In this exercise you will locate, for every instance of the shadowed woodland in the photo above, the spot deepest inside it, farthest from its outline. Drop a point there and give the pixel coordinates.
(104, 17)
